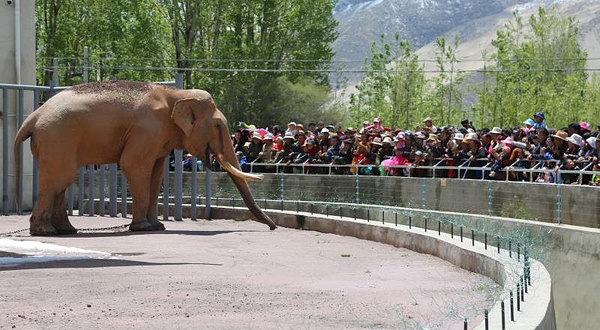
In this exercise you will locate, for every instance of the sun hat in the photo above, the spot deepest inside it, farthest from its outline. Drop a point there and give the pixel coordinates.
(432, 137)
(256, 135)
(325, 130)
(376, 141)
(427, 119)
(268, 136)
(288, 135)
(529, 122)
(539, 114)
(560, 135)
(279, 138)
(472, 137)
(420, 135)
(377, 120)
(400, 136)
(459, 136)
(470, 130)
(366, 122)
(496, 130)
(292, 123)
(387, 139)
(508, 141)
(592, 141)
(576, 139)
(308, 142)
(584, 125)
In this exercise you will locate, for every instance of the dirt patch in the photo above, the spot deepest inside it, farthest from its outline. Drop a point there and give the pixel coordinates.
(237, 275)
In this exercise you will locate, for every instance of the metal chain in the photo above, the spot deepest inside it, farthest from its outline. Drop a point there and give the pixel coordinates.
(10, 233)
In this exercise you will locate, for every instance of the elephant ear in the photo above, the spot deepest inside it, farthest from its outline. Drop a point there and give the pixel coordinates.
(183, 115)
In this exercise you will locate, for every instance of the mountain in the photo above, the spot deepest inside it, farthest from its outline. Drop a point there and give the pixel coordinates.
(362, 22)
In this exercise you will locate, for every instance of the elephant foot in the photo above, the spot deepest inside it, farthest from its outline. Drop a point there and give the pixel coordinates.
(42, 230)
(146, 226)
(63, 226)
(157, 225)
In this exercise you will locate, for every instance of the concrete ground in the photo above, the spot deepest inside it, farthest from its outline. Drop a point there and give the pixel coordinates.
(226, 275)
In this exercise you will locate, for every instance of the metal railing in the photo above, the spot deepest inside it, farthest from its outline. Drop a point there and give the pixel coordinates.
(464, 167)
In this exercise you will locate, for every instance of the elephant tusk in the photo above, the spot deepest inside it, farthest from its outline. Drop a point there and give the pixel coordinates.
(235, 172)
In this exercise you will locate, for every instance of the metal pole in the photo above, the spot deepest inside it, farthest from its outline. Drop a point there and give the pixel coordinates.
(34, 183)
(123, 195)
(112, 190)
(207, 211)
(80, 187)
(101, 191)
(194, 188)
(20, 116)
(166, 191)
(91, 179)
(86, 64)
(5, 151)
(512, 307)
(177, 214)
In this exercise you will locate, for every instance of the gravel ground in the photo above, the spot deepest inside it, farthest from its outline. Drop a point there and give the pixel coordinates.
(233, 275)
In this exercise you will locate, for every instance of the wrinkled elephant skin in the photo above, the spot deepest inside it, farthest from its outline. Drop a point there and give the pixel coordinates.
(133, 124)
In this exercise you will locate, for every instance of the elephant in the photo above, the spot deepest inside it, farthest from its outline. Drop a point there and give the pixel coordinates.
(134, 124)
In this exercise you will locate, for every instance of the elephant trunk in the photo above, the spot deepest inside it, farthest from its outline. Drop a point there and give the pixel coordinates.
(226, 157)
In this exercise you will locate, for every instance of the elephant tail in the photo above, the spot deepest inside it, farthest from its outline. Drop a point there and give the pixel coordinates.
(23, 134)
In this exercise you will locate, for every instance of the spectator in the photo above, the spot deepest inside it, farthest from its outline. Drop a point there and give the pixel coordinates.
(574, 147)
(467, 124)
(574, 128)
(267, 153)
(429, 128)
(376, 125)
(255, 147)
(291, 128)
(539, 118)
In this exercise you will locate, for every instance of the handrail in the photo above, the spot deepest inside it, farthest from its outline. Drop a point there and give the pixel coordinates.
(465, 166)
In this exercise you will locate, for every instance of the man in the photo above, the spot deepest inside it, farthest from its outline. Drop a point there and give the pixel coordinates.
(539, 118)
(467, 124)
(291, 128)
(429, 128)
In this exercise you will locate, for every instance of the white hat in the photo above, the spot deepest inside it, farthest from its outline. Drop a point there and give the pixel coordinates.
(576, 139)
(324, 130)
(459, 136)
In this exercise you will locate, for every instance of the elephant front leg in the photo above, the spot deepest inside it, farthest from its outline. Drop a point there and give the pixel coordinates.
(139, 183)
(156, 181)
(60, 220)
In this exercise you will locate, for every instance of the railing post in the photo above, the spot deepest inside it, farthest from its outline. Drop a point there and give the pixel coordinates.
(177, 212)
(20, 117)
(86, 64)
(165, 199)
(207, 210)
(123, 195)
(80, 190)
(91, 186)
(101, 192)
(5, 151)
(112, 190)
(194, 195)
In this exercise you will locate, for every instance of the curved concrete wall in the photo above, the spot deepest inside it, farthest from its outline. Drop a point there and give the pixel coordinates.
(537, 312)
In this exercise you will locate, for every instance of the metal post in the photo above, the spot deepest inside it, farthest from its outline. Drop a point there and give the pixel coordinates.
(112, 190)
(409, 222)
(34, 184)
(498, 240)
(439, 228)
(518, 297)
(502, 311)
(101, 191)
(5, 151)
(86, 64)
(20, 116)
(396, 218)
(80, 187)
(425, 224)
(510, 249)
(123, 195)
(368, 215)
(383, 216)
(340, 212)
(461, 233)
(512, 307)
(177, 213)
(466, 324)
(485, 240)
(208, 199)
(473, 236)
(452, 230)
(195, 189)
(165, 199)
(522, 290)
(91, 181)
(487, 321)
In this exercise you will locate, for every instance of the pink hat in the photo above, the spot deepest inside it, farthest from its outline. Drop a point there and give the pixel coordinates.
(508, 141)
(584, 125)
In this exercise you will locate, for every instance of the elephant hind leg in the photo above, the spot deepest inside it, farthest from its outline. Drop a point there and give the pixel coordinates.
(60, 220)
(155, 182)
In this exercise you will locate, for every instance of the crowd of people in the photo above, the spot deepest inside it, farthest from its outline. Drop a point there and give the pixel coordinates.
(375, 149)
